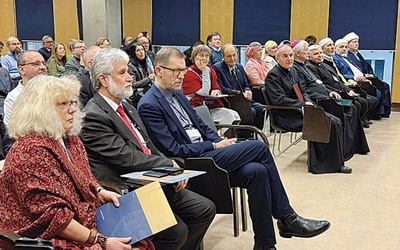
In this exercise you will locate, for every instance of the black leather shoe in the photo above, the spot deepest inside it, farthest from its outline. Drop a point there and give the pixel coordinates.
(258, 247)
(295, 225)
(345, 170)
(365, 124)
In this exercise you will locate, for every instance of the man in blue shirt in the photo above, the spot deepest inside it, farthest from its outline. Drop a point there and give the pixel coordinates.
(9, 61)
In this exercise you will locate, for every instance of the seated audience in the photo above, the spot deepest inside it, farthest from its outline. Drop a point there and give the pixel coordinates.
(256, 69)
(249, 163)
(52, 194)
(73, 65)
(87, 91)
(140, 69)
(353, 74)
(338, 82)
(214, 42)
(309, 72)
(30, 64)
(57, 61)
(232, 79)
(45, 51)
(284, 88)
(9, 61)
(117, 143)
(103, 42)
(200, 82)
(69, 46)
(269, 53)
(126, 40)
(188, 53)
(358, 60)
(6, 86)
(145, 41)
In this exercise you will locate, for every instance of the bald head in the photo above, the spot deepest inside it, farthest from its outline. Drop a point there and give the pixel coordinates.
(88, 56)
(229, 54)
(30, 64)
(284, 57)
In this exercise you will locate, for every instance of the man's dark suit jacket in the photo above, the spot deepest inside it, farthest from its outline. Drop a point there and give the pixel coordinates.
(87, 90)
(157, 113)
(363, 65)
(111, 147)
(280, 92)
(45, 53)
(227, 82)
(328, 76)
(312, 87)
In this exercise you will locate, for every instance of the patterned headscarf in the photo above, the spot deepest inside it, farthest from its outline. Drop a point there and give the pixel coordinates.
(251, 50)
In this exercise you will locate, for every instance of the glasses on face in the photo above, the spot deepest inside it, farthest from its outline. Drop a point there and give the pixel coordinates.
(49, 42)
(176, 72)
(35, 64)
(67, 104)
(80, 47)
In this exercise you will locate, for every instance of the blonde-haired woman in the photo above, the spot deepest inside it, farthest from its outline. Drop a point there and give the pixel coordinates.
(269, 52)
(57, 60)
(47, 188)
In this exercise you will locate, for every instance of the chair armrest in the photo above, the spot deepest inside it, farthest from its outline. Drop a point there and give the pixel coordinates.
(246, 127)
(272, 107)
(9, 237)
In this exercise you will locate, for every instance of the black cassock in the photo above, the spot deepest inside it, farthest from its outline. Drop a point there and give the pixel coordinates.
(323, 157)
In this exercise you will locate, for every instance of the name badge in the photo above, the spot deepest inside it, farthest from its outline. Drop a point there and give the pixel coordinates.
(318, 81)
(194, 135)
(335, 78)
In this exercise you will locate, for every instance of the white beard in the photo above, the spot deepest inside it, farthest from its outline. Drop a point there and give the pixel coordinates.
(119, 92)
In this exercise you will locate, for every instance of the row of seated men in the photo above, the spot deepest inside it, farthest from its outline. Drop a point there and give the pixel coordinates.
(119, 139)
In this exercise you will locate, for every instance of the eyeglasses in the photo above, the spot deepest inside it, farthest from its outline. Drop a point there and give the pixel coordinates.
(176, 72)
(67, 104)
(35, 64)
(80, 47)
(49, 42)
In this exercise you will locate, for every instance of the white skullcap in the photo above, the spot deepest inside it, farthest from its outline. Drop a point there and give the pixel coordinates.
(350, 36)
(340, 41)
(313, 47)
(324, 41)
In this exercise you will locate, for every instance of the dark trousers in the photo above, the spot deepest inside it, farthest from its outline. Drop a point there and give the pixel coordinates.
(250, 165)
(194, 214)
(258, 111)
(328, 157)
(373, 103)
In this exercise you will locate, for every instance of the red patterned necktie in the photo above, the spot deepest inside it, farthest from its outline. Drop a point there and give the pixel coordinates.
(121, 112)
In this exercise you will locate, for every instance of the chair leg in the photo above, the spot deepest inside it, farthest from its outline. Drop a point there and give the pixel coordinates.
(235, 213)
(243, 209)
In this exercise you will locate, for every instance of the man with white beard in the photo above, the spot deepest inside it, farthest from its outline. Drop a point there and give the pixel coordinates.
(117, 143)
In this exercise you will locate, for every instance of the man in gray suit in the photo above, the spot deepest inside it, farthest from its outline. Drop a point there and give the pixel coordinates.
(117, 143)
(74, 64)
